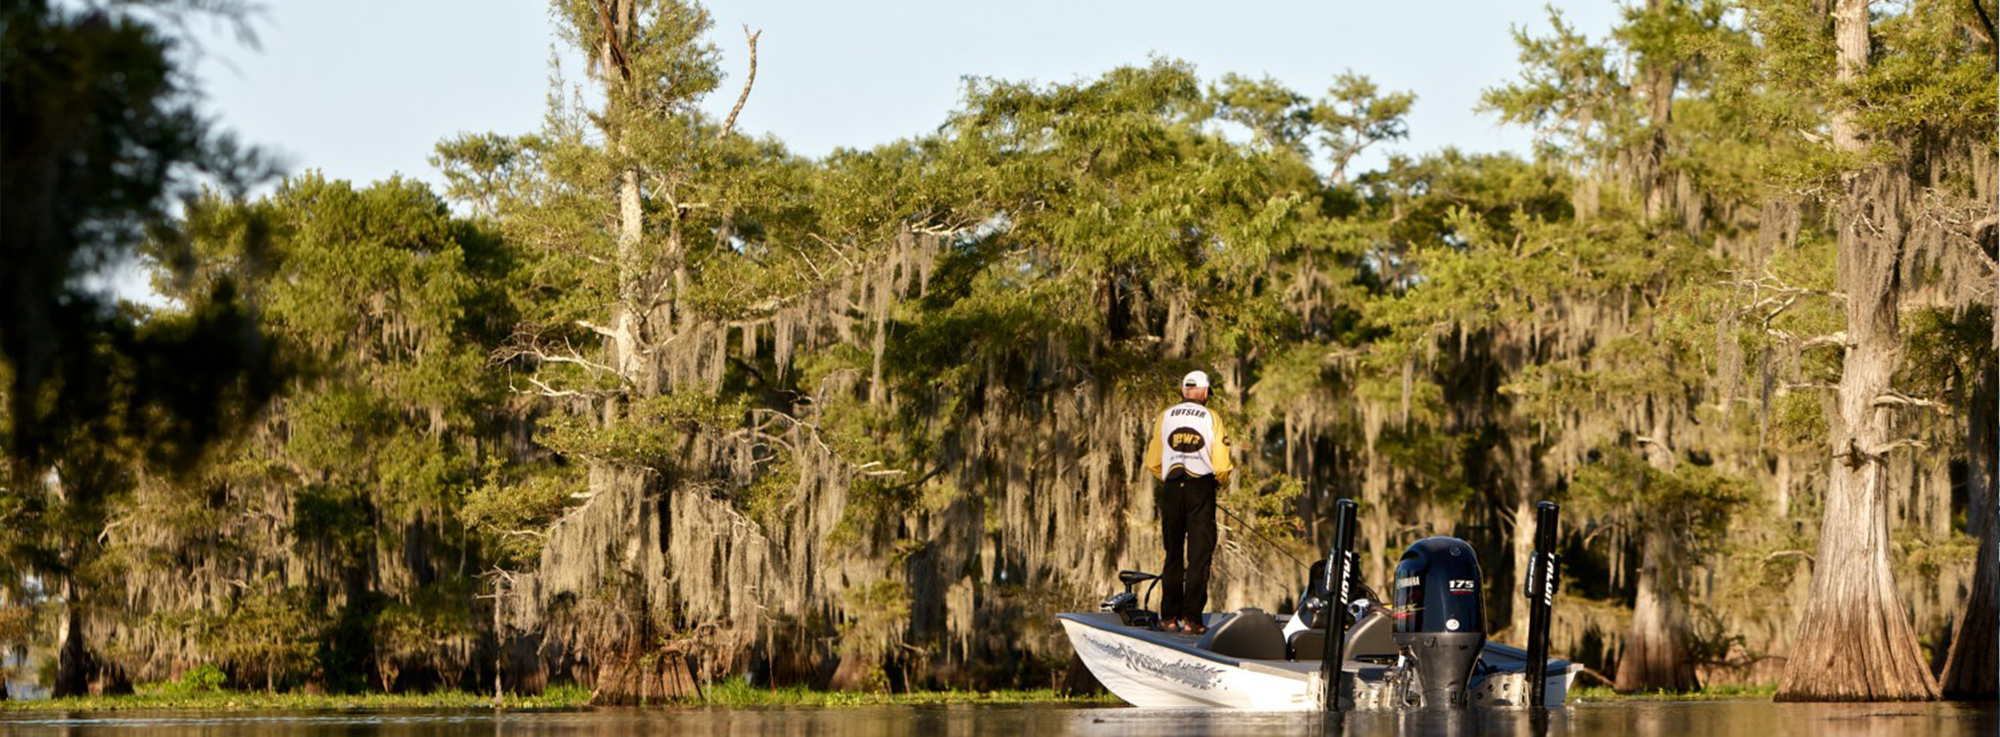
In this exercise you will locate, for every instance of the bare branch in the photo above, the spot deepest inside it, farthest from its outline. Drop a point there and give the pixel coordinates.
(944, 229)
(572, 357)
(549, 391)
(812, 430)
(1899, 399)
(836, 249)
(1783, 553)
(621, 61)
(596, 328)
(729, 123)
(1983, 30)
(542, 388)
(817, 273)
(1854, 456)
(1882, 451)
(1768, 282)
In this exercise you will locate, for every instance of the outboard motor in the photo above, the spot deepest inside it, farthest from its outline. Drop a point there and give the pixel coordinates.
(1440, 622)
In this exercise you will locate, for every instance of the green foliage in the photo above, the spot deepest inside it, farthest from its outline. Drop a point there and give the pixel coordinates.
(105, 141)
(1695, 501)
(201, 679)
(1946, 349)
(654, 432)
(515, 503)
(877, 615)
(1922, 79)
(418, 628)
(17, 625)
(1264, 501)
(270, 635)
(1567, 89)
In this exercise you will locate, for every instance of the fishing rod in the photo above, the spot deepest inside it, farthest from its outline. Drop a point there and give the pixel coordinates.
(1361, 588)
(1266, 538)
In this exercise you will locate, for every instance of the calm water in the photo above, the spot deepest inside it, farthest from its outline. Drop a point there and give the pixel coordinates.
(1749, 719)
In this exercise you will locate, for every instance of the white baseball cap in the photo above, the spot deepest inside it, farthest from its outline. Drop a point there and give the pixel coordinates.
(1195, 379)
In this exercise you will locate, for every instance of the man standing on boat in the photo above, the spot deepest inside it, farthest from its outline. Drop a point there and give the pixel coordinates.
(1190, 454)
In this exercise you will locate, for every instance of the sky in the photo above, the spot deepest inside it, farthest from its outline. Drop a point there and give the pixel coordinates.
(363, 89)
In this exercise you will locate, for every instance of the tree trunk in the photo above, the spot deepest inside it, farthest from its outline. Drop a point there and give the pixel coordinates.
(4, 647)
(1376, 557)
(1783, 506)
(1972, 670)
(1524, 526)
(1856, 641)
(627, 341)
(73, 660)
(1655, 656)
(629, 334)
(1660, 81)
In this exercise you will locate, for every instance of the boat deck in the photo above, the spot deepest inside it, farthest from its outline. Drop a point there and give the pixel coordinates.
(1154, 669)
(1191, 644)
(1495, 655)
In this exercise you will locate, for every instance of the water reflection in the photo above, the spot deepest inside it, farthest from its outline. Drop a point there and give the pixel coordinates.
(1662, 719)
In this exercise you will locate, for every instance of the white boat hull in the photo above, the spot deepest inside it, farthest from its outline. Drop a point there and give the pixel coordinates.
(1166, 671)
(1152, 675)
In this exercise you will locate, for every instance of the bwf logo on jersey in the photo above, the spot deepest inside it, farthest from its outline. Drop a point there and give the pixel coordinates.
(1186, 440)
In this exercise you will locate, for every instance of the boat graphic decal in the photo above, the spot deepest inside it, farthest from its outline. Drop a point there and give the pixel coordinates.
(1194, 674)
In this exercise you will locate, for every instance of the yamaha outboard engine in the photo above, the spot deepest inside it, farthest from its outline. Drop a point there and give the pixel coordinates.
(1440, 623)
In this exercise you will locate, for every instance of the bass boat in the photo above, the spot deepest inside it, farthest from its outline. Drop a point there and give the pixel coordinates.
(1344, 649)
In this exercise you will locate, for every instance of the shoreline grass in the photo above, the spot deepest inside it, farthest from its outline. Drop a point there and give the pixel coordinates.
(154, 697)
(1725, 692)
(734, 693)
(731, 694)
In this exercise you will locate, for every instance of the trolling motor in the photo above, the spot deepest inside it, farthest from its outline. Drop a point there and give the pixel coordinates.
(1543, 578)
(1440, 622)
(1341, 565)
(1126, 604)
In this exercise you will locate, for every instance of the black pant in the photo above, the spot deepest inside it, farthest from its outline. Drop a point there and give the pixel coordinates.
(1187, 517)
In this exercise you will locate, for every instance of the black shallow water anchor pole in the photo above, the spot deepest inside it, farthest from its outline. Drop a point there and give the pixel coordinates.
(1543, 576)
(1339, 585)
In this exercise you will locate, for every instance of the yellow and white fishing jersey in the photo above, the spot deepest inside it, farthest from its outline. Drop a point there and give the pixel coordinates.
(1188, 438)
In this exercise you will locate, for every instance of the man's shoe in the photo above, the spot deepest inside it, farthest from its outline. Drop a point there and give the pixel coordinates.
(1195, 629)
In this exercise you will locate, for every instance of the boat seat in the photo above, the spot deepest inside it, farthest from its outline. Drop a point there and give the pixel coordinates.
(1306, 644)
(1368, 640)
(1252, 634)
